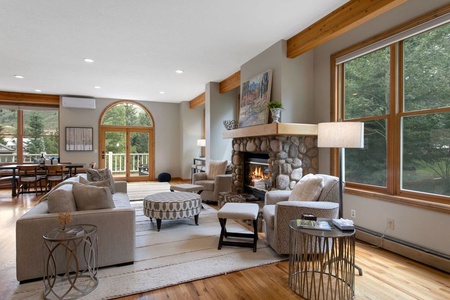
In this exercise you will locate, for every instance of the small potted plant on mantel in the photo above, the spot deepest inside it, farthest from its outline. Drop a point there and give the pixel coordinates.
(275, 108)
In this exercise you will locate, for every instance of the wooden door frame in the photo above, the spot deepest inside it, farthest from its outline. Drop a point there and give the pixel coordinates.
(127, 130)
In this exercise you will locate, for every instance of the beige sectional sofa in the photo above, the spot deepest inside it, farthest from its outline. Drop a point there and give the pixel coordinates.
(116, 232)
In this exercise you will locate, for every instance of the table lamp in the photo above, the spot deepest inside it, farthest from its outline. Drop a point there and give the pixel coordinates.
(201, 143)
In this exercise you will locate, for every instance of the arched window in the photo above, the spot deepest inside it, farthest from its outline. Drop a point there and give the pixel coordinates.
(127, 141)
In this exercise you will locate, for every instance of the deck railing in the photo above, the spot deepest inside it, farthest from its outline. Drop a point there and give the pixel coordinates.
(116, 162)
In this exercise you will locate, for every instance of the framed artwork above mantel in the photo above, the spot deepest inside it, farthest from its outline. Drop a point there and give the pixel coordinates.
(255, 95)
(79, 139)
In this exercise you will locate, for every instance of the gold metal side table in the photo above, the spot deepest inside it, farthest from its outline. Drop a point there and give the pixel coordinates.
(70, 261)
(321, 262)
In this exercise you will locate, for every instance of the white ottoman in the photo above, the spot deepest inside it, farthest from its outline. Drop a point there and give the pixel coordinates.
(238, 211)
(170, 206)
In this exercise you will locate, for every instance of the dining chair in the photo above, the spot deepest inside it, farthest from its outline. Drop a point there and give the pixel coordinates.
(55, 175)
(29, 177)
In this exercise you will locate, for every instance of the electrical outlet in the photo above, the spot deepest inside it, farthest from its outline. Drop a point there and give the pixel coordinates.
(390, 224)
(353, 213)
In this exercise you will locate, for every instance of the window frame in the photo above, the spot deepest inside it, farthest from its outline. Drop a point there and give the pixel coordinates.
(25, 101)
(392, 192)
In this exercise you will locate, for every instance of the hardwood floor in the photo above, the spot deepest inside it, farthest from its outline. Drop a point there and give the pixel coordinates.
(386, 275)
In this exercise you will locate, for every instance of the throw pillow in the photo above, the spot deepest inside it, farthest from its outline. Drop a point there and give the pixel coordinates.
(61, 200)
(104, 183)
(216, 167)
(307, 189)
(88, 197)
(100, 175)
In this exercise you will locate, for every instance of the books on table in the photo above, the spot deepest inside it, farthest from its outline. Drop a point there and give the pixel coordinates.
(310, 224)
(344, 224)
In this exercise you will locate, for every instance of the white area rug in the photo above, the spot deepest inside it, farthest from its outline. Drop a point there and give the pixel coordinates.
(180, 252)
(138, 190)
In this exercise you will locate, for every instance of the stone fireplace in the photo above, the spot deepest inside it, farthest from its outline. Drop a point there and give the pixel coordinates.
(291, 151)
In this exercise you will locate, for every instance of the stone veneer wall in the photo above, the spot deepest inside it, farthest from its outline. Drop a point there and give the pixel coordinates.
(289, 158)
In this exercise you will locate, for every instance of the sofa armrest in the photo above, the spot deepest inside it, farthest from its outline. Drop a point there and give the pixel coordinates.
(273, 197)
(120, 186)
(222, 183)
(290, 210)
(198, 176)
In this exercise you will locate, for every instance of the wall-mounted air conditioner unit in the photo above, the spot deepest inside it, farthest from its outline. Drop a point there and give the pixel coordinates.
(78, 102)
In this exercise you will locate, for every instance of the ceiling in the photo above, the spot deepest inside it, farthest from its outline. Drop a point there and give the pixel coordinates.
(138, 45)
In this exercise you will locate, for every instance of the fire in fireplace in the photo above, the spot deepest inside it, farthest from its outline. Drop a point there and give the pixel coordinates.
(257, 176)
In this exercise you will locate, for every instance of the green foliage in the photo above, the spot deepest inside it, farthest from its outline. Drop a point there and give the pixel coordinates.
(274, 104)
(425, 136)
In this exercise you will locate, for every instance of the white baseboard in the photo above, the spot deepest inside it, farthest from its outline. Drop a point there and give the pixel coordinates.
(428, 257)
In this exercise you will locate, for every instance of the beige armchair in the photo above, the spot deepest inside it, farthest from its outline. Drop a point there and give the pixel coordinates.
(214, 180)
(280, 208)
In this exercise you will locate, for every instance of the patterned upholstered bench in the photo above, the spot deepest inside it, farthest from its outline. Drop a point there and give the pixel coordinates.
(170, 206)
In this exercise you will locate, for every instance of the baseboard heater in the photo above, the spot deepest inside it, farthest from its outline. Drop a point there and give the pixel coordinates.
(423, 255)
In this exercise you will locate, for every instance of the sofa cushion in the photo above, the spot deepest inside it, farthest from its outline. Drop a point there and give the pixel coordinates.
(216, 167)
(88, 197)
(307, 189)
(61, 200)
(100, 175)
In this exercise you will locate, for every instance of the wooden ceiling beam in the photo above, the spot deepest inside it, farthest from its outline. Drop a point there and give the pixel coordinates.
(197, 101)
(230, 83)
(348, 16)
(28, 98)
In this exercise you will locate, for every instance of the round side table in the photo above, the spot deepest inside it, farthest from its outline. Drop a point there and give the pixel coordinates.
(70, 261)
(321, 262)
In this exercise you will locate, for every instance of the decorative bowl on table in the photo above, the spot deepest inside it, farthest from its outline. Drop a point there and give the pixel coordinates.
(230, 124)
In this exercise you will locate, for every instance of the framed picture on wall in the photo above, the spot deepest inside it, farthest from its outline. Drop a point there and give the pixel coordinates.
(255, 95)
(79, 139)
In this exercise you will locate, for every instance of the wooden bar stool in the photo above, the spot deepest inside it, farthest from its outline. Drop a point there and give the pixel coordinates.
(238, 211)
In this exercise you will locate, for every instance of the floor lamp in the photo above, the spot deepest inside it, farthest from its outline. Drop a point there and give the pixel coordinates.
(341, 135)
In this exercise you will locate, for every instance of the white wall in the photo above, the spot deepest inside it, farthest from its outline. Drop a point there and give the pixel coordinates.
(292, 81)
(168, 141)
(412, 224)
(191, 128)
(219, 107)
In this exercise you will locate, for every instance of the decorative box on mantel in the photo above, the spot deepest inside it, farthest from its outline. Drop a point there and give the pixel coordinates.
(291, 149)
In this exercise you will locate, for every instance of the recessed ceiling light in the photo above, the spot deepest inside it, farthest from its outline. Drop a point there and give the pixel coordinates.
(18, 76)
(38, 91)
(97, 87)
(89, 60)
(161, 92)
(179, 71)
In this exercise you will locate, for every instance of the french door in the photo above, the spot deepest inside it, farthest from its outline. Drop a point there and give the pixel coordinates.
(128, 152)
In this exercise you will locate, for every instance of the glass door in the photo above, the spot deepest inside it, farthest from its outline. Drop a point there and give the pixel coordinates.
(138, 156)
(125, 151)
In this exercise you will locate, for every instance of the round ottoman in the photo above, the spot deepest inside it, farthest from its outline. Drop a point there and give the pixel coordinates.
(164, 177)
(172, 205)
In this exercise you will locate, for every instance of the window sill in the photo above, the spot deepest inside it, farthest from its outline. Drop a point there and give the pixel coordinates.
(408, 201)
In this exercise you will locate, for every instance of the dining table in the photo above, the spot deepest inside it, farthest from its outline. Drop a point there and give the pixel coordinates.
(72, 167)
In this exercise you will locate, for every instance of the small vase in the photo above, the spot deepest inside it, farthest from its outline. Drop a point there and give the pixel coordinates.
(276, 114)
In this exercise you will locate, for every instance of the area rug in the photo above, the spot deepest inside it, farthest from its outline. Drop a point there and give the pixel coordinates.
(138, 190)
(180, 252)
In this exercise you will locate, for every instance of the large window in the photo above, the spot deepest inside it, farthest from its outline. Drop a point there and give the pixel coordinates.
(401, 92)
(25, 133)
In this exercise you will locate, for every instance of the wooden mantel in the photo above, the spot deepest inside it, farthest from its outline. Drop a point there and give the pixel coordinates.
(272, 129)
